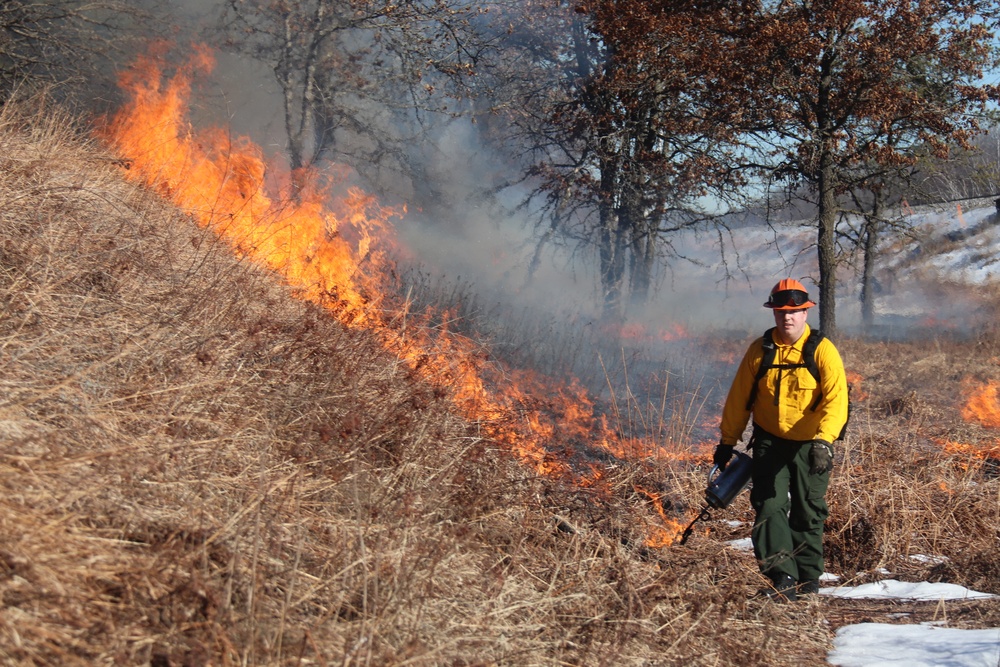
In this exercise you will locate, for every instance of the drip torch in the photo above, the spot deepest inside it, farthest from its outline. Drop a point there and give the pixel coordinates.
(723, 488)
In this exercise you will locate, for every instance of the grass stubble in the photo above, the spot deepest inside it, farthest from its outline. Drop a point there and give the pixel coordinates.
(198, 468)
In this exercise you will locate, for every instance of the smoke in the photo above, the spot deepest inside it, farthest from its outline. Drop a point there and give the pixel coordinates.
(462, 228)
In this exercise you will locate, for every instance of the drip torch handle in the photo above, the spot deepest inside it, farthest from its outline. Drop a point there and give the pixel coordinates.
(711, 473)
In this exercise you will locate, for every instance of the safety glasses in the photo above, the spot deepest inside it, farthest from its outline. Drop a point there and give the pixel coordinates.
(788, 297)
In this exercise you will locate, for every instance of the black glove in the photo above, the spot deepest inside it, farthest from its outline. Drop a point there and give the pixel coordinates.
(820, 457)
(722, 455)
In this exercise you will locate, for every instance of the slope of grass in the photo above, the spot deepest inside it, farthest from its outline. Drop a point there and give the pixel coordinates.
(197, 468)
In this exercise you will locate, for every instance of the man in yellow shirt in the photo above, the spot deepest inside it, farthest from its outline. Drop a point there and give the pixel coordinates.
(798, 409)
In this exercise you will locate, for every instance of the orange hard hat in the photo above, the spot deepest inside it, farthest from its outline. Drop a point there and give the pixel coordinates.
(789, 294)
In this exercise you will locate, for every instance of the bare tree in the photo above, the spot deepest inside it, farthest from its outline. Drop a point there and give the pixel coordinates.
(360, 80)
(604, 104)
(65, 42)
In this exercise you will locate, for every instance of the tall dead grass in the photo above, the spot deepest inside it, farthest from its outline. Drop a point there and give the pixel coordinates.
(197, 468)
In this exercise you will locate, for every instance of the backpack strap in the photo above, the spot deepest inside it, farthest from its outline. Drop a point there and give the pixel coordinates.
(809, 357)
(767, 362)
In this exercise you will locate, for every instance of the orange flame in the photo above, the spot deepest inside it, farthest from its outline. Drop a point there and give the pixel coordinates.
(640, 333)
(971, 456)
(983, 405)
(665, 535)
(673, 332)
(854, 380)
(221, 182)
(334, 252)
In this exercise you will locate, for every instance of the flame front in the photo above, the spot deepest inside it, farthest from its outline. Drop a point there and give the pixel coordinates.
(854, 382)
(665, 535)
(221, 182)
(982, 406)
(334, 252)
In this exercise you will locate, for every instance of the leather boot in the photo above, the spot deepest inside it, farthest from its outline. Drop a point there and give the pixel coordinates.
(808, 587)
(783, 588)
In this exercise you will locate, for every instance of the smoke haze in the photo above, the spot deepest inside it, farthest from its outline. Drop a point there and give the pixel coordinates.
(473, 240)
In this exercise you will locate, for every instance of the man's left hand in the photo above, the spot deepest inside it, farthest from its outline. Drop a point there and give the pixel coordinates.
(820, 457)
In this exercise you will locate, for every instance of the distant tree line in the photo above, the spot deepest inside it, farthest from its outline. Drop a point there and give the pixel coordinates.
(617, 120)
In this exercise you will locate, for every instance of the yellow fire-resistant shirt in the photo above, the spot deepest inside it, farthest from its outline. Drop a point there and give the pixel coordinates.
(793, 417)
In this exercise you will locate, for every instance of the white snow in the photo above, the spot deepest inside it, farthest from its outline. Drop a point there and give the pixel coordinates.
(744, 544)
(906, 644)
(929, 560)
(885, 645)
(909, 645)
(903, 590)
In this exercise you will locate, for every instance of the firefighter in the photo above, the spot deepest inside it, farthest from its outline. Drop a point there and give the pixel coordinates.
(797, 417)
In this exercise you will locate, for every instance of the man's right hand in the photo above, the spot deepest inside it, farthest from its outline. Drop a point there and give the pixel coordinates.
(722, 455)
(820, 457)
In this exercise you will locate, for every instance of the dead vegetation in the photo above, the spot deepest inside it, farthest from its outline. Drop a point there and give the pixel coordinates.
(197, 468)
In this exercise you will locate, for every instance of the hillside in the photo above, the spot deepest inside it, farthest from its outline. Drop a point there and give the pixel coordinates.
(201, 469)
(200, 466)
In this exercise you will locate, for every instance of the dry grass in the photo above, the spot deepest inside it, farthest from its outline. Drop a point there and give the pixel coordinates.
(198, 469)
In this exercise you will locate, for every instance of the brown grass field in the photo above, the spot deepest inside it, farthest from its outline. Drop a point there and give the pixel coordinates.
(199, 468)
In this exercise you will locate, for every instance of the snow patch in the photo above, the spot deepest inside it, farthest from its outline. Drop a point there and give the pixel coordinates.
(887, 645)
(905, 590)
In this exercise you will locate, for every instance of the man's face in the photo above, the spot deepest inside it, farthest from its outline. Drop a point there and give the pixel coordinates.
(790, 324)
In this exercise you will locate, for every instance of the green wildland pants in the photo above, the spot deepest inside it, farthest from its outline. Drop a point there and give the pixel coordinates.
(791, 508)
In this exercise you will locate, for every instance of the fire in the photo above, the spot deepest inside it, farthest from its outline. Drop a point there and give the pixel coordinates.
(983, 405)
(665, 535)
(971, 456)
(631, 331)
(334, 251)
(221, 181)
(673, 332)
(854, 381)
(729, 358)
(640, 333)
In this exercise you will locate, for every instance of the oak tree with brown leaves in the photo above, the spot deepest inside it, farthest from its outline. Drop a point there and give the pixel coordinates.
(602, 101)
(836, 91)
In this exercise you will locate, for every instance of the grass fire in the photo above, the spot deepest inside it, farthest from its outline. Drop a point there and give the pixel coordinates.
(228, 439)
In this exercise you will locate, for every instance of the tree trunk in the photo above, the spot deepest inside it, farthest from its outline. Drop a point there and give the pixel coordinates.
(869, 247)
(612, 243)
(827, 214)
(825, 245)
(643, 256)
(612, 262)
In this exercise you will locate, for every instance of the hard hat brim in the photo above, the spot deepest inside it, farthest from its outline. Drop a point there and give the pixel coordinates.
(807, 304)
